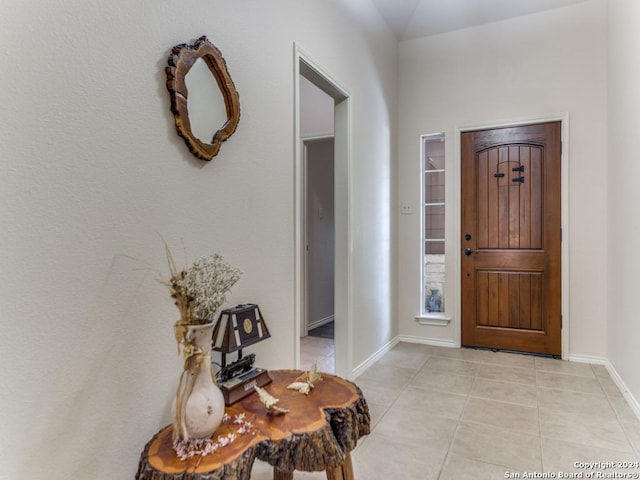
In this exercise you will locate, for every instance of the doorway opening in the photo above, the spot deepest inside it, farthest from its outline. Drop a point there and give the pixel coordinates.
(319, 314)
(322, 212)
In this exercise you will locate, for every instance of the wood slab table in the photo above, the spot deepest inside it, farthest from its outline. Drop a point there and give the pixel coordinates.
(317, 434)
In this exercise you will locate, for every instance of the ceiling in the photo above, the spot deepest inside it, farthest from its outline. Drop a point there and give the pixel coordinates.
(418, 18)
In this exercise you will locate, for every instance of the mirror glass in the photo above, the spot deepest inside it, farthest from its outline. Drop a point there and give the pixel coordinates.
(207, 111)
(204, 101)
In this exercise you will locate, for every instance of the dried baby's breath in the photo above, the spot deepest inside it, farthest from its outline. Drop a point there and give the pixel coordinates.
(206, 284)
(200, 290)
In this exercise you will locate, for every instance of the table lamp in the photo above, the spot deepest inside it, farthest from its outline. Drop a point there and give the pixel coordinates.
(237, 328)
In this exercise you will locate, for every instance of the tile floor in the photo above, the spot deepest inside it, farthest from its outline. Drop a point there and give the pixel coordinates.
(441, 413)
(321, 350)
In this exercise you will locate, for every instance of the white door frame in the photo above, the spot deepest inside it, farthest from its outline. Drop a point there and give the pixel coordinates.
(304, 65)
(456, 174)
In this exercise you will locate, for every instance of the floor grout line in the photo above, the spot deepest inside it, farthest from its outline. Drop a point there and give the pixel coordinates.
(455, 432)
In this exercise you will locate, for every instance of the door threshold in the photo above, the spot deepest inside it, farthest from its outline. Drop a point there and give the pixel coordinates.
(542, 355)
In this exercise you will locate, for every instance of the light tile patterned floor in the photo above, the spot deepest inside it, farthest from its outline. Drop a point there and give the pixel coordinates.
(442, 414)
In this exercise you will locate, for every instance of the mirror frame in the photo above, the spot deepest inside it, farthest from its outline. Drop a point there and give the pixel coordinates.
(181, 59)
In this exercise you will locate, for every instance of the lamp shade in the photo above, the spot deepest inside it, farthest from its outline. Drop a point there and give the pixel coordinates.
(239, 327)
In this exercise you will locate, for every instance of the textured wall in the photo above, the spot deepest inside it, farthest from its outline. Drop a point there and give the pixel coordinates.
(93, 175)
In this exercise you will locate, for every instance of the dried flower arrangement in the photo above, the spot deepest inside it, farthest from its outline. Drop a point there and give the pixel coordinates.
(200, 290)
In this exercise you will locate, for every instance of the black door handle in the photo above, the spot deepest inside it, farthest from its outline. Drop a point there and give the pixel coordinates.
(468, 251)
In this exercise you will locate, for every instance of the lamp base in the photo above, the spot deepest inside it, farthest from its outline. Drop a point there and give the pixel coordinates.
(242, 385)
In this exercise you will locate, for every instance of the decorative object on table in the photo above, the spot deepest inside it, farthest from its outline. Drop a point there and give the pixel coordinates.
(434, 303)
(305, 382)
(270, 401)
(198, 291)
(302, 387)
(236, 329)
(181, 60)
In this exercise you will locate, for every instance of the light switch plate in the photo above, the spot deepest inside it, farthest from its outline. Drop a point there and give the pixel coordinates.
(406, 208)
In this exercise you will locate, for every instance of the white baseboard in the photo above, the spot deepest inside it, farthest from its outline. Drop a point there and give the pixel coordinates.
(629, 397)
(587, 359)
(360, 369)
(364, 366)
(321, 322)
(436, 342)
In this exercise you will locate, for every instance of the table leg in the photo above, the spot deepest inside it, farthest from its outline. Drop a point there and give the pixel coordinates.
(282, 474)
(342, 472)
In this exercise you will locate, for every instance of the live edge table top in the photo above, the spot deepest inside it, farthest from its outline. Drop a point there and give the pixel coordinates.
(317, 434)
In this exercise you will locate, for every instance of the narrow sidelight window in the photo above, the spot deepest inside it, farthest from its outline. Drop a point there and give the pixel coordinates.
(433, 208)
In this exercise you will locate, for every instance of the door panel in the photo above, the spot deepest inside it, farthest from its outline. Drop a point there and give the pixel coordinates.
(511, 277)
(518, 297)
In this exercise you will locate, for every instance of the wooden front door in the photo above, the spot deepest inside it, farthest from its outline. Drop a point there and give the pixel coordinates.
(511, 245)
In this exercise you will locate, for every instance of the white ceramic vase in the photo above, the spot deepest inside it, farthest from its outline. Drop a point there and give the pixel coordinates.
(199, 405)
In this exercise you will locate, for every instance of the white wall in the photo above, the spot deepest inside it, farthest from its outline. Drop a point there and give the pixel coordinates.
(539, 65)
(316, 111)
(624, 195)
(93, 174)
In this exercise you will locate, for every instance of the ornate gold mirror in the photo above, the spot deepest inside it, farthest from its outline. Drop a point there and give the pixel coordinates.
(214, 112)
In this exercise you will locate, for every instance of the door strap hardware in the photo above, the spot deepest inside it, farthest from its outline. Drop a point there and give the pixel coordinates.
(518, 179)
(498, 175)
(518, 169)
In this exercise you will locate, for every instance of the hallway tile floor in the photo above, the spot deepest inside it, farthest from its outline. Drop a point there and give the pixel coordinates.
(441, 413)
